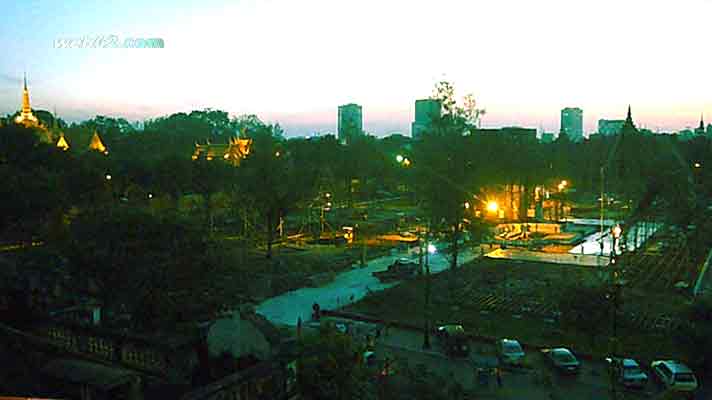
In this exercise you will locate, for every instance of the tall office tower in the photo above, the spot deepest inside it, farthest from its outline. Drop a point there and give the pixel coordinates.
(350, 122)
(572, 123)
(426, 110)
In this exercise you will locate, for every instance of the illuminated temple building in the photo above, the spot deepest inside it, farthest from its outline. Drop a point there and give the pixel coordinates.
(97, 145)
(28, 119)
(232, 152)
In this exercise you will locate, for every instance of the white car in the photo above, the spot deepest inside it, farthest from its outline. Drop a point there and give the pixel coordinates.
(627, 372)
(674, 375)
(510, 352)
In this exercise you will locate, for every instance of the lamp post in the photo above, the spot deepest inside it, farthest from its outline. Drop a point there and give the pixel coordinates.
(616, 233)
(426, 331)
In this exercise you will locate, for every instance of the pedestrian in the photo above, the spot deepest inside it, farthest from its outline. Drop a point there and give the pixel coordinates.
(498, 372)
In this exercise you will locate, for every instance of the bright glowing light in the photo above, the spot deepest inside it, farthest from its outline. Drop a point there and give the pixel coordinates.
(492, 206)
(399, 158)
(108, 177)
(467, 205)
(150, 195)
(431, 248)
(564, 183)
(406, 162)
(617, 231)
(697, 165)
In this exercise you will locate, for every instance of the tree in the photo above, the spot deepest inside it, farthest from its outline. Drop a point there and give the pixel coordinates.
(128, 256)
(695, 338)
(331, 367)
(273, 179)
(445, 168)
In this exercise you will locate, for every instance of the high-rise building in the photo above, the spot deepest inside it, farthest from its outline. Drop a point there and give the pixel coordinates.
(572, 123)
(350, 122)
(426, 110)
(511, 134)
(610, 126)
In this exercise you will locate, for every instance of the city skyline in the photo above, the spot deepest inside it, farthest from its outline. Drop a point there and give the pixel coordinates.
(296, 75)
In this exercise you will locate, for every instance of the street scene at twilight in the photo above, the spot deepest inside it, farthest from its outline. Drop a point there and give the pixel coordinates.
(311, 199)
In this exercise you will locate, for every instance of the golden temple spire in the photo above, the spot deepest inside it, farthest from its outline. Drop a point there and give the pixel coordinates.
(26, 117)
(62, 142)
(97, 145)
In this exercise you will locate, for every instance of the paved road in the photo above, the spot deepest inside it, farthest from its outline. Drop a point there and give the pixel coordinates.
(348, 287)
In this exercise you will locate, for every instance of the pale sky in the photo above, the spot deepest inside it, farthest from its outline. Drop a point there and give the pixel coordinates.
(294, 62)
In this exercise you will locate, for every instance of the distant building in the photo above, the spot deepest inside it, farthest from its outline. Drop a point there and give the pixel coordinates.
(232, 152)
(97, 145)
(512, 134)
(709, 129)
(610, 126)
(701, 129)
(350, 122)
(28, 119)
(426, 110)
(572, 123)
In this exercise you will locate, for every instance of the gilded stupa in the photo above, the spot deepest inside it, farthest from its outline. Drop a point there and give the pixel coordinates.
(26, 117)
(97, 145)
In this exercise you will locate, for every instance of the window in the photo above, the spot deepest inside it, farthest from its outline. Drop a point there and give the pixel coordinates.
(684, 378)
(665, 371)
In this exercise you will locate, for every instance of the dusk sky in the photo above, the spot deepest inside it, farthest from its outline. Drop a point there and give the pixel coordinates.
(294, 62)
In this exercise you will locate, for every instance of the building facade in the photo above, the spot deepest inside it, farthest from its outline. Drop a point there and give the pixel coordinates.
(232, 152)
(512, 134)
(610, 126)
(426, 111)
(572, 123)
(350, 122)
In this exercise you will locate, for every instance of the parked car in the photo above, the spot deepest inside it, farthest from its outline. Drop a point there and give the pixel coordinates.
(509, 351)
(562, 360)
(402, 268)
(674, 375)
(627, 372)
(454, 340)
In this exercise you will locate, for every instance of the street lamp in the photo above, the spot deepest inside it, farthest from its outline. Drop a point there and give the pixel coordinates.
(616, 231)
(492, 206)
(400, 158)
(108, 177)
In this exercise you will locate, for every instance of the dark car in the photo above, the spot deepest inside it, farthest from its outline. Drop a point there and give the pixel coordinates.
(562, 360)
(454, 340)
(402, 268)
